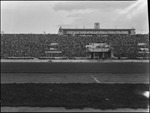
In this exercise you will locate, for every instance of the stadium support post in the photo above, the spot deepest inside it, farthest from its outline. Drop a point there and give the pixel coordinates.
(93, 55)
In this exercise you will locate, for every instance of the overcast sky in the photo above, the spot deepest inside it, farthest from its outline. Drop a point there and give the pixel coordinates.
(48, 16)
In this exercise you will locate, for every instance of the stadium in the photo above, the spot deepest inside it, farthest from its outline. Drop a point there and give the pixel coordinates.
(69, 52)
(55, 46)
(34, 64)
(75, 56)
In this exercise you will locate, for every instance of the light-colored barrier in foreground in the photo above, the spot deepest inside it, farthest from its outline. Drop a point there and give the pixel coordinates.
(61, 109)
(86, 61)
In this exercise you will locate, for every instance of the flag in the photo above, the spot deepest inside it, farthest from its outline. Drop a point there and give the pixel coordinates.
(52, 49)
(89, 46)
(54, 44)
(141, 44)
(144, 49)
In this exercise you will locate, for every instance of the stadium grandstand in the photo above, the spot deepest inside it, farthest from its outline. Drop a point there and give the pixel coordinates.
(95, 31)
(70, 47)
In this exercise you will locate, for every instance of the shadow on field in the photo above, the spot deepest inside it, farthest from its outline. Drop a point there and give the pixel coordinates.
(98, 96)
(72, 67)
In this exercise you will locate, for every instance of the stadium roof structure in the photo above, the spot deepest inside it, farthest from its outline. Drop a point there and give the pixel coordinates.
(74, 29)
(94, 31)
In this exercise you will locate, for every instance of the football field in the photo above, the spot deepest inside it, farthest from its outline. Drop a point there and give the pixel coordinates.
(73, 85)
(73, 78)
(75, 72)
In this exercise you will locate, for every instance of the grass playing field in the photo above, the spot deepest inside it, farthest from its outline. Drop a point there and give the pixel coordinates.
(73, 78)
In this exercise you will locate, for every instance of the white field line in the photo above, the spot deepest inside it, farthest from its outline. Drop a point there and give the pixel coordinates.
(95, 79)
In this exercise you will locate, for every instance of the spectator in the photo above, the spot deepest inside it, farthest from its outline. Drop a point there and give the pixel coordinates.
(35, 45)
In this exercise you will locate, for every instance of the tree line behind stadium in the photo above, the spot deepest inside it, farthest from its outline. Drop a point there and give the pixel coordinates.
(36, 45)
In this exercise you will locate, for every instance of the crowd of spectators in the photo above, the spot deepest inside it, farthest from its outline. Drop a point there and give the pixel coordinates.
(35, 45)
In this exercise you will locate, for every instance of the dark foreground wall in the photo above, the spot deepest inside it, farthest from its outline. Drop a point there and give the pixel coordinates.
(51, 67)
